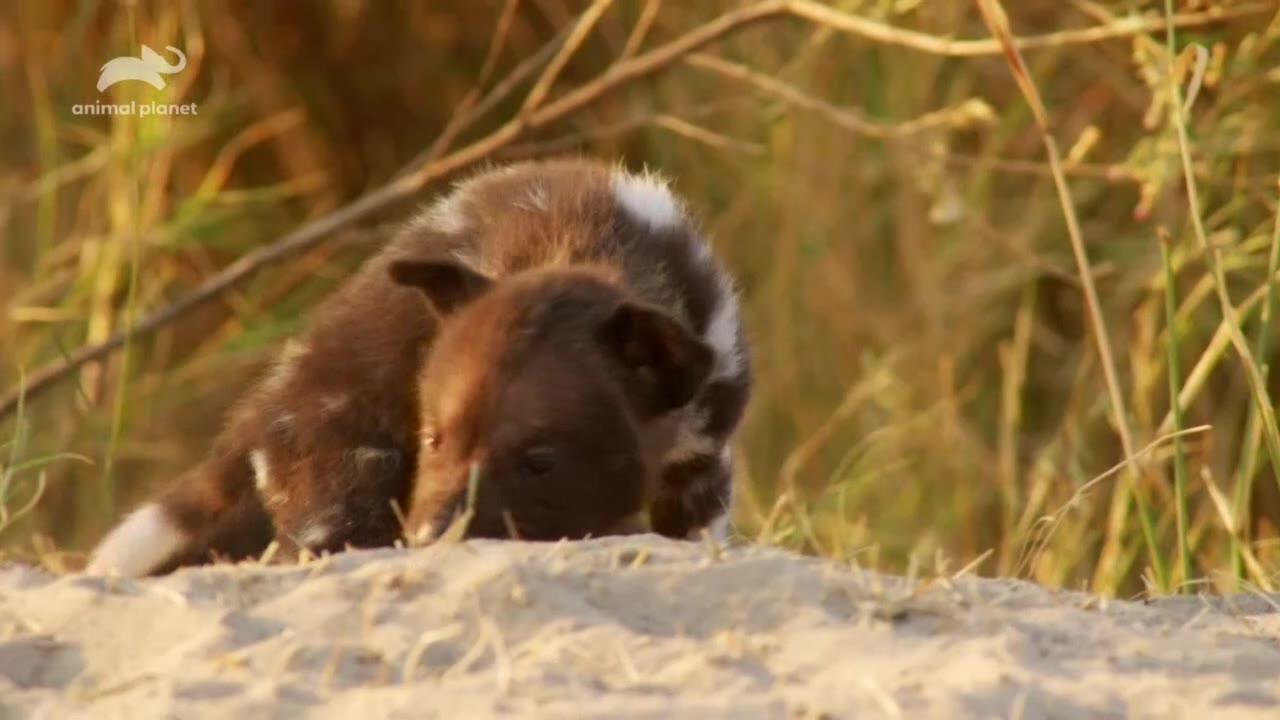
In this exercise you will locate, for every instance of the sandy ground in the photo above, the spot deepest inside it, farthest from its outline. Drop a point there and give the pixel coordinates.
(621, 628)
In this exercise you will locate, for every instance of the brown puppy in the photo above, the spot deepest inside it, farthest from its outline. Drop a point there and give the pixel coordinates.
(551, 345)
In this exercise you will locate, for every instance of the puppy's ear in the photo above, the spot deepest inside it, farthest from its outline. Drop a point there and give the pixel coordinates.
(446, 284)
(665, 363)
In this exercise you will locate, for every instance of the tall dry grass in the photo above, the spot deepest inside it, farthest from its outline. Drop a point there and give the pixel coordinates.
(963, 313)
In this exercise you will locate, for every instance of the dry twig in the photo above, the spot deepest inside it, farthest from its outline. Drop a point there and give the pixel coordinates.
(965, 113)
(993, 15)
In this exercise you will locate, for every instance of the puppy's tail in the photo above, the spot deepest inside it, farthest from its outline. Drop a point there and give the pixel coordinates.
(214, 511)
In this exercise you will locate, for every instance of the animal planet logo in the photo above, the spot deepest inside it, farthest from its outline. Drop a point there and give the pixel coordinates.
(149, 67)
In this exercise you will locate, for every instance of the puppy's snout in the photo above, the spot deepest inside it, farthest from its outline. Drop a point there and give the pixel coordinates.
(452, 512)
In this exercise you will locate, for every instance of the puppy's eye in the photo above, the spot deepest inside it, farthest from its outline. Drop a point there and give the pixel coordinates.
(538, 460)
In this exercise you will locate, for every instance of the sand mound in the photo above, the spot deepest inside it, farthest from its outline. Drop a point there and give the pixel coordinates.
(617, 628)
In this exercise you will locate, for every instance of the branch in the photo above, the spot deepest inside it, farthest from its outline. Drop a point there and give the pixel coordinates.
(466, 112)
(469, 110)
(581, 30)
(706, 136)
(638, 34)
(966, 113)
(934, 45)
(574, 141)
(617, 76)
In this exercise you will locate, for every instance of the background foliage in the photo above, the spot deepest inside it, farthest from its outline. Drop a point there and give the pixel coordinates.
(930, 392)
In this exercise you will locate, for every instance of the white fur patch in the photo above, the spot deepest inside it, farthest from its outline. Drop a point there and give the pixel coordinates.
(314, 534)
(283, 370)
(647, 198)
(261, 470)
(718, 528)
(722, 336)
(534, 199)
(444, 215)
(689, 442)
(137, 546)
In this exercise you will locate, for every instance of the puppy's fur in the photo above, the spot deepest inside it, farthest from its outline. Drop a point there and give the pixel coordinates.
(551, 347)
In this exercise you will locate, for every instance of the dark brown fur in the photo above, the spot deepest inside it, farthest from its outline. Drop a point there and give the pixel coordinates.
(547, 389)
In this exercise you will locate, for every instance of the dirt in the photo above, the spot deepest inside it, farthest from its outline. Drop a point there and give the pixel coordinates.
(635, 627)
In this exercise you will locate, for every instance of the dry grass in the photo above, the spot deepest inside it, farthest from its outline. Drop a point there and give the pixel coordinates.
(958, 326)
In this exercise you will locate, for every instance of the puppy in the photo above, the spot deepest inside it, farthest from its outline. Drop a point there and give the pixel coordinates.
(550, 351)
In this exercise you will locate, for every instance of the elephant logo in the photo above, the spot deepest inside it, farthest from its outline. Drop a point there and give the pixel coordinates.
(146, 68)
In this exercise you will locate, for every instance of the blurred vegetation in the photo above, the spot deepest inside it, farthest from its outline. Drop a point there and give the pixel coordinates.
(930, 391)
